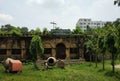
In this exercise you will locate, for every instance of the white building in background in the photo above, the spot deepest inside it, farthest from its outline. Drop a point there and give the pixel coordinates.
(84, 22)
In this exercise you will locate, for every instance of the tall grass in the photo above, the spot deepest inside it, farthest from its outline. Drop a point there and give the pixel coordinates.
(74, 72)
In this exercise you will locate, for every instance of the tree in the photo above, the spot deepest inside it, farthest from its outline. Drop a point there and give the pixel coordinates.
(112, 49)
(15, 32)
(117, 2)
(36, 48)
(24, 30)
(89, 47)
(37, 31)
(117, 26)
(96, 35)
(89, 30)
(77, 30)
(7, 28)
(45, 31)
(32, 31)
(2, 32)
(111, 44)
(102, 47)
(12, 30)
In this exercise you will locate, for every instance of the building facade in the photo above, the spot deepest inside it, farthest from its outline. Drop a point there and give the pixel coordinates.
(58, 46)
(84, 22)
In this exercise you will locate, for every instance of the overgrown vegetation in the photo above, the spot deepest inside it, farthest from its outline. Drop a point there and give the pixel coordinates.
(105, 41)
(100, 41)
(36, 48)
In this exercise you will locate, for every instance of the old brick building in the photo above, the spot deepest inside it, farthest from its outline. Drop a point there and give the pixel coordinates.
(58, 46)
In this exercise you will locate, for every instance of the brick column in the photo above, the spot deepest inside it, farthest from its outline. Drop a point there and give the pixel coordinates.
(53, 52)
(9, 48)
(81, 56)
(23, 51)
(67, 53)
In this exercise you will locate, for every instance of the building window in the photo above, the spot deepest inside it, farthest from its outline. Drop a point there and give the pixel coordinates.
(2, 51)
(16, 51)
(47, 51)
(73, 50)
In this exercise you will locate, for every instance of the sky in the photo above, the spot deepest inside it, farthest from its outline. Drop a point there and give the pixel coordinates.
(65, 13)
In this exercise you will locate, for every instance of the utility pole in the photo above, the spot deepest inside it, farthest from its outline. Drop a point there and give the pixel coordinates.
(53, 24)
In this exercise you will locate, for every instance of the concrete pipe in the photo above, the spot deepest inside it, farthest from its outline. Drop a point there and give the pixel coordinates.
(51, 61)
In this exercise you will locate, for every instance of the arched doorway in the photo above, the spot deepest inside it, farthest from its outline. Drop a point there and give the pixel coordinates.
(60, 51)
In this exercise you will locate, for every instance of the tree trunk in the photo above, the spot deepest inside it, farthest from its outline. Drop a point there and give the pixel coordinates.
(113, 63)
(90, 57)
(95, 60)
(103, 60)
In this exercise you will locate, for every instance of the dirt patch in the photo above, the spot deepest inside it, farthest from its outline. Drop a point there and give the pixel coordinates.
(117, 66)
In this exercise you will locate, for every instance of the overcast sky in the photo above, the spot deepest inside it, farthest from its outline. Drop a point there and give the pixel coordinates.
(39, 13)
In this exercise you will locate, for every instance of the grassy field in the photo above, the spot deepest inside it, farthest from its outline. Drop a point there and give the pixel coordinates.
(75, 72)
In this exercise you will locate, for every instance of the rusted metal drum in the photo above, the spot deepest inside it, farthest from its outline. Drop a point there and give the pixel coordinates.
(12, 65)
(15, 65)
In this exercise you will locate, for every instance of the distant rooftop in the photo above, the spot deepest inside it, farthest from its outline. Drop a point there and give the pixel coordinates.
(60, 31)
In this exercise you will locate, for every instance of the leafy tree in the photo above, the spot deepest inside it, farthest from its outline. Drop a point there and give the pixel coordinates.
(15, 32)
(89, 30)
(111, 44)
(45, 31)
(24, 30)
(101, 43)
(89, 47)
(7, 28)
(37, 31)
(117, 22)
(2, 32)
(77, 30)
(96, 34)
(32, 31)
(117, 26)
(102, 47)
(117, 2)
(36, 48)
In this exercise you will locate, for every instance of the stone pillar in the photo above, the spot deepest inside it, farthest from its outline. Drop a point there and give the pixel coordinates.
(23, 52)
(81, 56)
(53, 52)
(67, 53)
(8, 51)
(15, 44)
(22, 44)
(81, 52)
(9, 48)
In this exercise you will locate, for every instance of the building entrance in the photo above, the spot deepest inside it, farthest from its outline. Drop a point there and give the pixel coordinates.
(60, 51)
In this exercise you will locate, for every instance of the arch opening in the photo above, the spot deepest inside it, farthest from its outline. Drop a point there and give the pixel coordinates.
(60, 51)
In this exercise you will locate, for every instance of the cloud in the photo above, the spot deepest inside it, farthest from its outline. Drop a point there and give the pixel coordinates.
(49, 4)
(103, 10)
(38, 13)
(5, 18)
